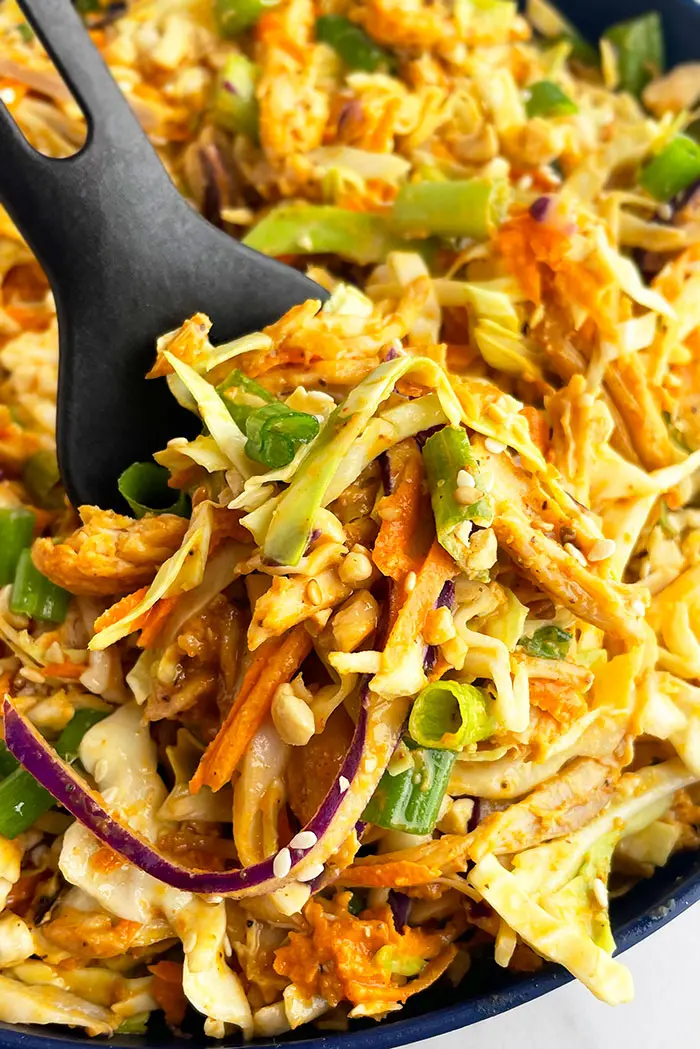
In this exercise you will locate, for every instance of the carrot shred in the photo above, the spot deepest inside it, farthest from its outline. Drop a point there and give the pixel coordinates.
(154, 621)
(394, 551)
(537, 425)
(167, 991)
(395, 874)
(436, 570)
(64, 670)
(122, 608)
(274, 667)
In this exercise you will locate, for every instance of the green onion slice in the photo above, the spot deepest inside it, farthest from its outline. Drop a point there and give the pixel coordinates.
(461, 208)
(352, 44)
(639, 45)
(16, 533)
(22, 799)
(549, 642)
(546, 99)
(145, 488)
(233, 16)
(444, 454)
(235, 104)
(672, 170)
(43, 481)
(274, 433)
(448, 715)
(242, 396)
(411, 800)
(36, 596)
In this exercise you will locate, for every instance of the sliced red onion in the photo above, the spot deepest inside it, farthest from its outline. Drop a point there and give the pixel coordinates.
(475, 816)
(539, 209)
(423, 435)
(71, 791)
(445, 600)
(400, 905)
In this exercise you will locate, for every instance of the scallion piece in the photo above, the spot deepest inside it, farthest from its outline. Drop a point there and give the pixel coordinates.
(639, 46)
(463, 208)
(352, 44)
(448, 715)
(549, 642)
(235, 106)
(16, 532)
(445, 454)
(8, 763)
(242, 396)
(145, 488)
(546, 99)
(274, 433)
(672, 170)
(233, 16)
(36, 596)
(22, 799)
(324, 229)
(43, 481)
(136, 1024)
(392, 961)
(411, 801)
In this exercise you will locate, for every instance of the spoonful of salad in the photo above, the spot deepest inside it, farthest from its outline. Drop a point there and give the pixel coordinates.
(128, 259)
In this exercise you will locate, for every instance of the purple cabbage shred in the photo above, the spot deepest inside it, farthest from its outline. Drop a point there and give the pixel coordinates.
(539, 208)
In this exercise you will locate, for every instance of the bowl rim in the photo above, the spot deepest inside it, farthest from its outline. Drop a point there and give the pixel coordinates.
(676, 898)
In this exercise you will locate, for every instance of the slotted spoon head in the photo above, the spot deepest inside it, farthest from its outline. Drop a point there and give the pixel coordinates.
(128, 259)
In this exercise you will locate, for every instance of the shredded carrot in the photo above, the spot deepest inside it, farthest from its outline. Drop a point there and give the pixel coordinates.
(564, 702)
(154, 620)
(167, 991)
(393, 875)
(395, 553)
(436, 570)
(64, 670)
(537, 425)
(336, 957)
(282, 660)
(122, 608)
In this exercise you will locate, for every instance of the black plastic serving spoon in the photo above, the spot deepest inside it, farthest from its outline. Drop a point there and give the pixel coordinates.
(128, 259)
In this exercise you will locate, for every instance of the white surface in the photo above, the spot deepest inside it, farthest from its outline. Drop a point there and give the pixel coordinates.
(665, 1011)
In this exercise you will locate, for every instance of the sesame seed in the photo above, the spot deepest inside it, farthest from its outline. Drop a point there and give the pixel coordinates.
(312, 872)
(410, 582)
(343, 784)
(575, 553)
(465, 479)
(282, 863)
(639, 608)
(305, 839)
(313, 593)
(492, 445)
(665, 212)
(600, 891)
(465, 496)
(601, 550)
(214, 899)
(30, 674)
(101, 769)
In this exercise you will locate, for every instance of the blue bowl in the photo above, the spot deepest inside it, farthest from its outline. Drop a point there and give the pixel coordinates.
(488, 990)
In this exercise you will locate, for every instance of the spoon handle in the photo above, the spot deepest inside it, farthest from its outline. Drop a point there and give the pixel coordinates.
(51, 200)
